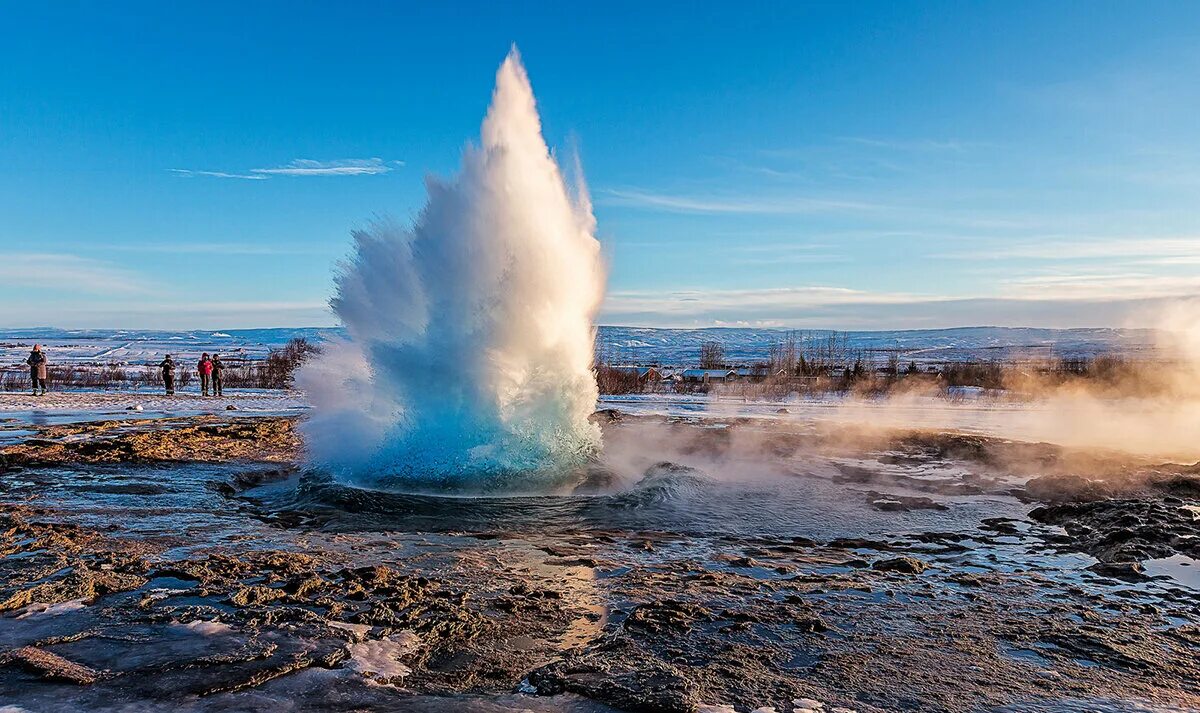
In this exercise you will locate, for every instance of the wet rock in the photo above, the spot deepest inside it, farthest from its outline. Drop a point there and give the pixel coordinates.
(966, 579)
(606, 415)
(859, 543)
(305, 586)
(255, 595)
(666, 615)
(903, 565)
(652, 687)
(79, 583)
(199, 439)
(742, 562)
(902, 503)
(49, 666)
(1124, 530)
(1066, 489)
(1125, 571)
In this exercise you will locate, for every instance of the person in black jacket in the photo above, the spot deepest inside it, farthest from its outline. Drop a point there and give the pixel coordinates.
(168, 374)
(217, 366)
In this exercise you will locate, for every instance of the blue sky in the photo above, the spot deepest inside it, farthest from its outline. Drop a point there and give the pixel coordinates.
(866, 165)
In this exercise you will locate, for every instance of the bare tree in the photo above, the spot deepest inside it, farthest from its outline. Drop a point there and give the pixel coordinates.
(782, 357)
(712, 355)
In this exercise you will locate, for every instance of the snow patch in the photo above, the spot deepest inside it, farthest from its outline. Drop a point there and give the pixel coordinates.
(39, 610)
(208, 628)
(379, 661)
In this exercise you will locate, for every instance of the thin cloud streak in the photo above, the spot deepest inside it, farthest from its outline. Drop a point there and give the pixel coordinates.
(1088, 249)
(342, 167)
(189, 173)
(1085, 300)
(219, 249)
(730, 204)
(53, 271)
(303, 167)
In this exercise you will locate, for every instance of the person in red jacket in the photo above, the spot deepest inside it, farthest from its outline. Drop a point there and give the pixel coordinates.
(205, 369)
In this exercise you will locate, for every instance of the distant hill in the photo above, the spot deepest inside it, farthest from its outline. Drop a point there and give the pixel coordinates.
(641, 345)
(682, 346)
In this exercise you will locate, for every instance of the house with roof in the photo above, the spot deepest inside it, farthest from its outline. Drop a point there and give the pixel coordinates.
(708, 376)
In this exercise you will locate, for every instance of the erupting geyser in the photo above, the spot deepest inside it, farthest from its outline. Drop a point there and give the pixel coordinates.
(470, 332)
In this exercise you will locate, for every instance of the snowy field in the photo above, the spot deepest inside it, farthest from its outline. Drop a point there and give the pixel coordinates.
(615, 344)
(136, 348)
(88, 405)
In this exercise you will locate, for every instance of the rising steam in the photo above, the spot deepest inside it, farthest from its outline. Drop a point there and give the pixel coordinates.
(470, 332)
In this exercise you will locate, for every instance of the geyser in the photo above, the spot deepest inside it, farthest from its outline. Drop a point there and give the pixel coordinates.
(468, 362)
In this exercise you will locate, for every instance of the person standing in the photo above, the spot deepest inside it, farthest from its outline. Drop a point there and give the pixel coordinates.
(204, 368)
(168, 375)
(217, 366)
(37, 369)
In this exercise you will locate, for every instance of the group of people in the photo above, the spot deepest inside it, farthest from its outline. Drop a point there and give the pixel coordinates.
(209, 369)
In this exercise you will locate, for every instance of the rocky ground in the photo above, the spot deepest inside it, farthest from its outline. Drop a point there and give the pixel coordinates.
(155, 561)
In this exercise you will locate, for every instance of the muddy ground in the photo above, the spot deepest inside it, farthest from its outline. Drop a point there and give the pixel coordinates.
(147, 564)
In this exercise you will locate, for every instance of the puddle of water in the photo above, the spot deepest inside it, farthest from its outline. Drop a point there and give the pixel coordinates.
(1180, 568)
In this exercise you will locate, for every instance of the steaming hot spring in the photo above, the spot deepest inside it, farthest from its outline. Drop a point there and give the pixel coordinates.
(461, 523)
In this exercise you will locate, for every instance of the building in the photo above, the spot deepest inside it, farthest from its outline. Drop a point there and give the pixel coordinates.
(709, 376)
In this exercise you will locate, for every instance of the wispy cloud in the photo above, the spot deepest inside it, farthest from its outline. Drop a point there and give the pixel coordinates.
(190, 248)
(690, 302)
(70, 273)
(1093, 286)
(1138, 249)
(1062, 301)
(303, 167)
(917, 145)
(189, 173)
(342, 167)
(730, 204)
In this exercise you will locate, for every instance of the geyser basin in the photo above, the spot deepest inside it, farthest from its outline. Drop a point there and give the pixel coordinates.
(470, 332)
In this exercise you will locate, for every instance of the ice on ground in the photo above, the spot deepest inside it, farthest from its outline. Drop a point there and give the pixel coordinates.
(357, 631)
(39, 610)
(208, 628)
(379, 661)
(118, 403)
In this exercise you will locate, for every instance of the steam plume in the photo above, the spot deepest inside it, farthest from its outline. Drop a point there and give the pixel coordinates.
(470, 332)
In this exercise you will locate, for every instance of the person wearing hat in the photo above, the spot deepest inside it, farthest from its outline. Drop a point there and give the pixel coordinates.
(37, 369)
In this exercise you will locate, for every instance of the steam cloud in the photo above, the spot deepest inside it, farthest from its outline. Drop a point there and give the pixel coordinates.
(1160, 416)
(470, 333)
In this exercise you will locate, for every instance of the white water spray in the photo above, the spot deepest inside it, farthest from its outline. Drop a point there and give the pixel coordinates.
(470, 349)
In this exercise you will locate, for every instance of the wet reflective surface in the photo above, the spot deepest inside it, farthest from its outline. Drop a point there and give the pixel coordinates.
(867, 576)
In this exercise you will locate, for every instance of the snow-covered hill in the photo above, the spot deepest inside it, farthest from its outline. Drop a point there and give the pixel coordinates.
(682, 346)
(618, 344)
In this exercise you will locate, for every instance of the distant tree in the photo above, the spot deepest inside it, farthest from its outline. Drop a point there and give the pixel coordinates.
(280, 365)
(712, 355)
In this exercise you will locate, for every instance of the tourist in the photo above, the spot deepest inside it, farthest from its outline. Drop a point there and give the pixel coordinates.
(168, 375)
(205, 370)
(37, 369)
(217, 366)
